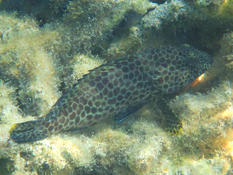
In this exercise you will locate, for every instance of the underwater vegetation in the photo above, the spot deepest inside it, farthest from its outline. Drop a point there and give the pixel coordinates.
(46, 46)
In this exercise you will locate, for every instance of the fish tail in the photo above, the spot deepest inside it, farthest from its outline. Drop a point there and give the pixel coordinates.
(28, 131)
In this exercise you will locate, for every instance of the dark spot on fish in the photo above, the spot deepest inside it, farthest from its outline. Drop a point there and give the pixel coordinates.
(72, 116)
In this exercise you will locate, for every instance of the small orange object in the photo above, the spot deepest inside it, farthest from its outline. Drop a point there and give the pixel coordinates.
(198, 80)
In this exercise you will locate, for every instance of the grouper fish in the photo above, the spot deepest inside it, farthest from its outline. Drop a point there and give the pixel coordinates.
(117, 88)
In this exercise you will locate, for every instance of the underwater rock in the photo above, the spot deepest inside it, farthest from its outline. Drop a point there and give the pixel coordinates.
(167, 12)
(43, 10)
(205, 122)
(179, 21)
(21, 64)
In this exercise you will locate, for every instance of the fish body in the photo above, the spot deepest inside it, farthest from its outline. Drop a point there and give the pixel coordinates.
(117, 86)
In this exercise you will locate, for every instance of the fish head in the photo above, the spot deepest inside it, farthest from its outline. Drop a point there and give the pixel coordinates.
(177, 67)
(197, 62)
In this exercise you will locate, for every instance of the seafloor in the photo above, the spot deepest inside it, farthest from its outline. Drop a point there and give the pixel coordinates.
(46, 45)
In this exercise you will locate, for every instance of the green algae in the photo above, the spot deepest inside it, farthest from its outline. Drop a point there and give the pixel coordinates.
(7, 166)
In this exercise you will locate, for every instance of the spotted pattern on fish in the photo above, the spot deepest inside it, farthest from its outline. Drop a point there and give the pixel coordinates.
(116, 86)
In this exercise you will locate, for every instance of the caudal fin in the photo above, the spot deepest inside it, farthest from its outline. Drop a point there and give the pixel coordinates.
(28, 131)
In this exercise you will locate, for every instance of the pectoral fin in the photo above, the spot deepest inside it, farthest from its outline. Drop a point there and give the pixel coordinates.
(125, 113)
